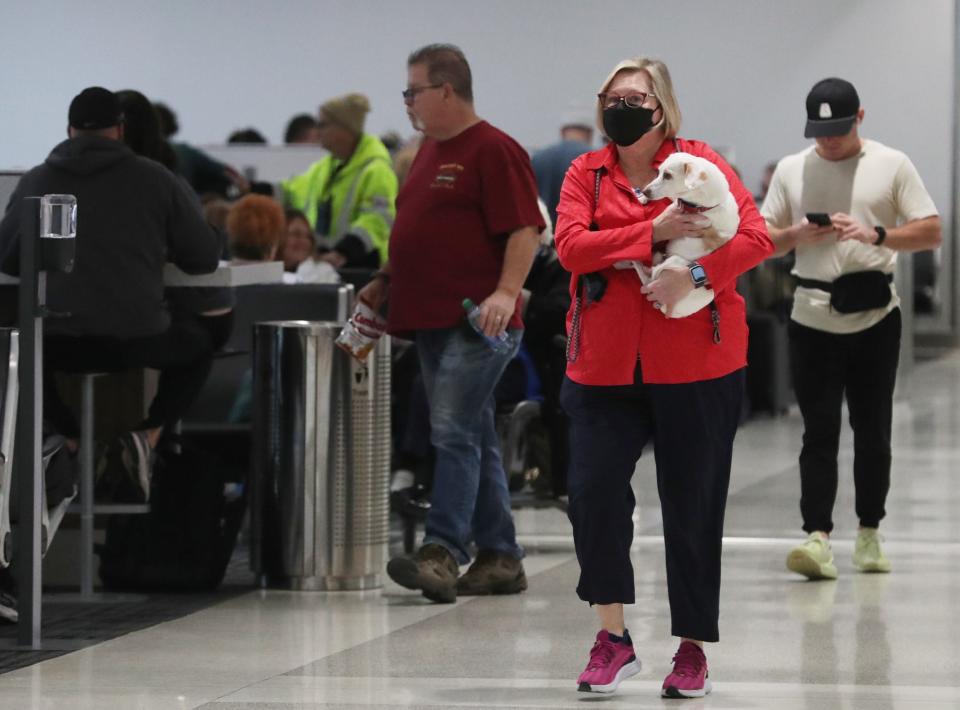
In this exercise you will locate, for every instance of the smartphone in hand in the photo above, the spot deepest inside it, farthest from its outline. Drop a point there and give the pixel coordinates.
(821, 219)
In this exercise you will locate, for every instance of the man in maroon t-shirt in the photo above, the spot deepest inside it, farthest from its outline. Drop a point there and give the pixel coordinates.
(467, 226)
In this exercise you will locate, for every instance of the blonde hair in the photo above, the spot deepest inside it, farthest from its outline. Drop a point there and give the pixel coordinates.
(662, 87)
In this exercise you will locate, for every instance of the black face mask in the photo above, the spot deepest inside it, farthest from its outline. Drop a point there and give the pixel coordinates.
(626, 125)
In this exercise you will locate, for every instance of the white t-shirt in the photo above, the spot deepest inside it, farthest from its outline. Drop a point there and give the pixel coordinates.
(878, 186)
(314, 271)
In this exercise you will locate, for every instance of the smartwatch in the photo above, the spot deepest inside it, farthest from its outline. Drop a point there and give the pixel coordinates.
(881, 235)
(698, 274)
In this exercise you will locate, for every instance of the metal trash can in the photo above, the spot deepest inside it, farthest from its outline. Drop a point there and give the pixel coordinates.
(321, 459)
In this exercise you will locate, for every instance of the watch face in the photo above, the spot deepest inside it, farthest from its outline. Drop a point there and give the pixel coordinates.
(698, 273)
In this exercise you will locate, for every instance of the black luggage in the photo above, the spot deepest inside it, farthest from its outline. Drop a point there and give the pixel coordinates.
(186, 540)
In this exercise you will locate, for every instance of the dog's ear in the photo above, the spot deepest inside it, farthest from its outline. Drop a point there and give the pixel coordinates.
(693, 177)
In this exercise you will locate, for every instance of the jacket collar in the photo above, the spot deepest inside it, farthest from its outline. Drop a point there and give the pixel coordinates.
(606, 157)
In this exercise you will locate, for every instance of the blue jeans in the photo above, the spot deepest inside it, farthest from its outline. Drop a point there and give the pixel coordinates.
(470, 498)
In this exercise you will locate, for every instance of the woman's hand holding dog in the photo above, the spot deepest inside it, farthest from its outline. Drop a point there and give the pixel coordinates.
(672, 223)
(671, 284)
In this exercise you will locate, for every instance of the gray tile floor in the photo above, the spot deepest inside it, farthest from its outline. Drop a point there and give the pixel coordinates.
(863, 641)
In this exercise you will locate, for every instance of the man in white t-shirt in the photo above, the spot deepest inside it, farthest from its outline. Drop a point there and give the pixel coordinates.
(845, 324)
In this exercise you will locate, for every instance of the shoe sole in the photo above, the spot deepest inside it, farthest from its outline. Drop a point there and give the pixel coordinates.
(405, 572)
(802, 563)
(873, 568)
(513, 586)
(674, 692)
(627, 670)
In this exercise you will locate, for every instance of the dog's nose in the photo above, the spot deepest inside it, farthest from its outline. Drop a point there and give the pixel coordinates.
(647, 193)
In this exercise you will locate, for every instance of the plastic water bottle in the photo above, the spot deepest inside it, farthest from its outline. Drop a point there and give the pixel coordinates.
(497, 343)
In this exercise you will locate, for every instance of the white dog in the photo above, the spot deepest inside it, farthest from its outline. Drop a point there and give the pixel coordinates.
(698, 186)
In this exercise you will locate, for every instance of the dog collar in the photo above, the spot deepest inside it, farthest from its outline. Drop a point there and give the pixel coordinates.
(688, 207)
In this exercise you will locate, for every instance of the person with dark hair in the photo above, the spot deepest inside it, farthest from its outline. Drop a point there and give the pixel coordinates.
(302, 129)
(141, 128)
(134, 216)
(846, 206)
(246, 136)
(209, 307)
(169, 126)
(468, 226)
(349, 195)
(204, 174)
(298, 243)
(392, 141)
(550, 164)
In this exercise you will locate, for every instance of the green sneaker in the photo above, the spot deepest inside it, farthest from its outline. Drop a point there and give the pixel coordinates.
(867, 554)
(813, 559)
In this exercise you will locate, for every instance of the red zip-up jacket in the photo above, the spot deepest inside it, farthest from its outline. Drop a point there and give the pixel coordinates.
(623, 326)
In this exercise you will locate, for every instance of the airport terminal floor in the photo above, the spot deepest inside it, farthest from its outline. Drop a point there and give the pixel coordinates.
(862, 641)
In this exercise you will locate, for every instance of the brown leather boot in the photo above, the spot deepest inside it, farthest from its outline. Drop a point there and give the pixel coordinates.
(493, 572)
(431, 569)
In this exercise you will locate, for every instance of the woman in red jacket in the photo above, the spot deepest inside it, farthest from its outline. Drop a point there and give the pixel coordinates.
(635, 376)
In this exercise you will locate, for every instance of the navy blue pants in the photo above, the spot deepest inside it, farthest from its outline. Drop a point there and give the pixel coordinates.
(692, 427)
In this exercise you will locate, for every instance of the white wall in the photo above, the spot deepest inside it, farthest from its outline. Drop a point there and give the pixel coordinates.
(741, 67)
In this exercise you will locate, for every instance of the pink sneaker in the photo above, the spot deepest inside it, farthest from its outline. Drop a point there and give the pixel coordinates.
(611, 660)
(690, 677)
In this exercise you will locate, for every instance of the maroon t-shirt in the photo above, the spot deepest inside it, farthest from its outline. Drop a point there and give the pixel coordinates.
(461, 201)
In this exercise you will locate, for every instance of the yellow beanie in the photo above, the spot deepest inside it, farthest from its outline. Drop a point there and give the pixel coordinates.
(348, 111)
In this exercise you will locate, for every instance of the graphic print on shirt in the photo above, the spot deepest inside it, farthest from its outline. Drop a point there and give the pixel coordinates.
(447, 175)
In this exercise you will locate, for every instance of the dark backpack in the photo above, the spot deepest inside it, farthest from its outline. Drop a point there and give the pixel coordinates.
(186, 540)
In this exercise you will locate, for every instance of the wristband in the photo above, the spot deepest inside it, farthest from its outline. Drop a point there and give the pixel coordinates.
(698, 274)
(881, 235)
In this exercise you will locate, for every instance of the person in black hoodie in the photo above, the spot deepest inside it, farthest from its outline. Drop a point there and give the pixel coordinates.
(133, 216)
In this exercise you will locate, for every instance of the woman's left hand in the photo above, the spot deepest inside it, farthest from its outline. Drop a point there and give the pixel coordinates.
(671, 284)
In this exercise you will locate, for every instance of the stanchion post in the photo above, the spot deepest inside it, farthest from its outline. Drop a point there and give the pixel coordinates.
(27, 455)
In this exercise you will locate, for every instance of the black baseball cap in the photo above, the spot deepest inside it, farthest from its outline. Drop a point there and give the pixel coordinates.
(95, 108)
(832, 106)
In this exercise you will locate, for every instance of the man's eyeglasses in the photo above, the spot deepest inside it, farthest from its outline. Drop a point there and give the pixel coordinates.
(631, 100)
(410, 94)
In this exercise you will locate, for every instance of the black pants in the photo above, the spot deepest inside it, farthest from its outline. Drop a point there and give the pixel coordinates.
(182, 353)
(692, 427)
(863, 366)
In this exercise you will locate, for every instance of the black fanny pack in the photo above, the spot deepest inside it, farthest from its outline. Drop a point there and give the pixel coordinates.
(855, 292)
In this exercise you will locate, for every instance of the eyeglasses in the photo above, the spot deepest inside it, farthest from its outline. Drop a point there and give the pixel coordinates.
(631, 100)
(410, 94)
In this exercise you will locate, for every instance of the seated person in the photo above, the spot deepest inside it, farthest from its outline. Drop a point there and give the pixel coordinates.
(348, 196)
(134, 216)
(298, 243)
(246, 136)
(210, 307)
(302, 130)
(297, 248)
(206, 175)
(255, 226)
